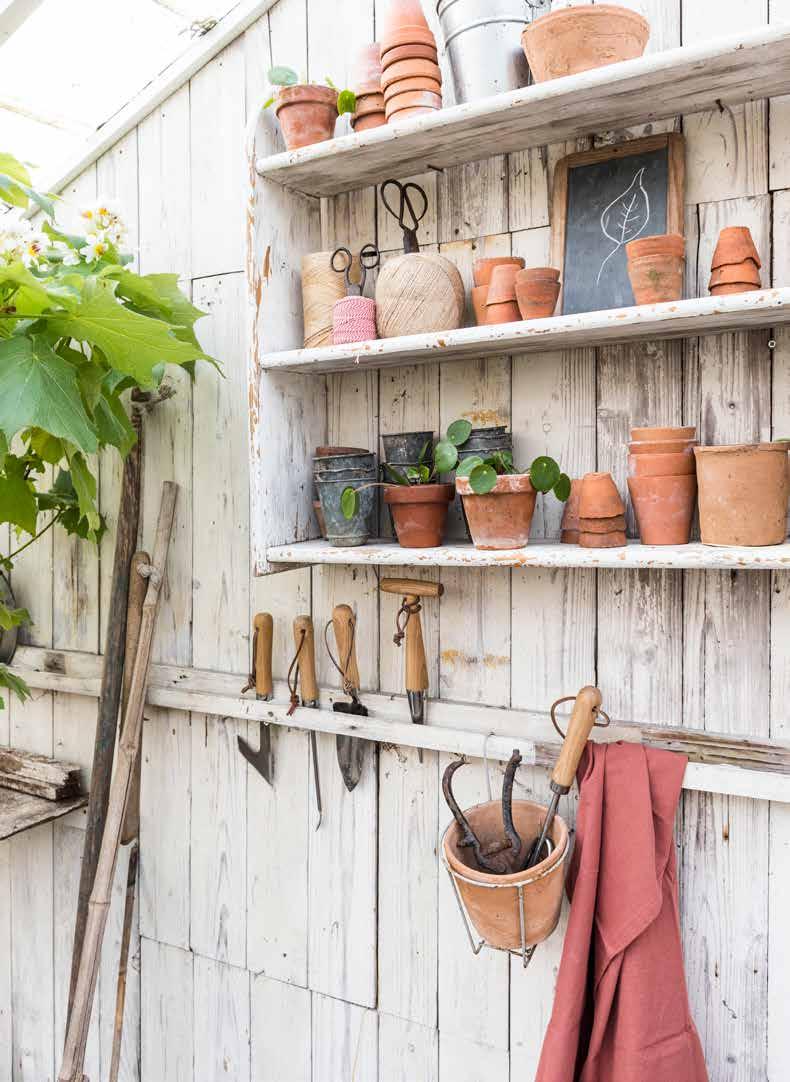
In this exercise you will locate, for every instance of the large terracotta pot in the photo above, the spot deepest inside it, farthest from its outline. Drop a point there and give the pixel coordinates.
(664, 507)
(502, 518)
(743, 494)
(419, 513)
(307, 114)
(576, 39)
(655, 268)
(492, 901)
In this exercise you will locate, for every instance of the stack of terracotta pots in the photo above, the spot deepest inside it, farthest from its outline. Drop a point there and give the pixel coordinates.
(411, 78)
(662, 480)
(483, 272)
(366, 84)
(736, 263)
(570, 516)
(601, 513)
(537, 290)
(655, 267)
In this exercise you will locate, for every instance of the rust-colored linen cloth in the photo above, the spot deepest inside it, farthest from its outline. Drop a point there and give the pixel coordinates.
(621, 1011)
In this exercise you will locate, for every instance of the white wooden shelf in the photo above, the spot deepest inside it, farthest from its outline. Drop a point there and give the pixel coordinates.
(633, 556)
(677, 319)
(723, 72)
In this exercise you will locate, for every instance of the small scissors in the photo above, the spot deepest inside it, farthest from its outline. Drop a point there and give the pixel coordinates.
(406, 207)
(369, 259)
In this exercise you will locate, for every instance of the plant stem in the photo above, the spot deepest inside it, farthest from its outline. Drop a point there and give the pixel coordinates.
(35, 537)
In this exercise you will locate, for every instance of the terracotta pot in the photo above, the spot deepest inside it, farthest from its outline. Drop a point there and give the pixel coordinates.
(409, 35)
(576, 39)
(419, 513)
(411, 69)
(656, 279)
(615, 540)
(409, 114)
(307, 114)
(735, 244)
(743, 494)
(569, 528)
(664, 508)
(501, 519)
(373, 120)
(661, 465)
(413, 99)
(735, 287)
(414, 51)
(536, 297)
(502, 287)
(688, 432)
(602, 525)
(406, 86)
(479, 300)
(599, 497)
(661, 244)
(540, 274)
(367, 67)
(492, 901)
(369, 104)
(504, 312)
(747, 271)
(402, 13)
(482, 269)
(661, 447)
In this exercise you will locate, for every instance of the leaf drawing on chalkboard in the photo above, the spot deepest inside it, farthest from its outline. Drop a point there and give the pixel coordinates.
(626, 217)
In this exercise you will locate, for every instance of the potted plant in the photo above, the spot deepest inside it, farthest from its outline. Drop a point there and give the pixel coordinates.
(307, 112)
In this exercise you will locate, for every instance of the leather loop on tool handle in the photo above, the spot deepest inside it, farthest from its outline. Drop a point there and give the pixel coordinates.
(585, 711)
(343, 624)
(304, 634)
(416, 666)
(262, 651)
(416, 587)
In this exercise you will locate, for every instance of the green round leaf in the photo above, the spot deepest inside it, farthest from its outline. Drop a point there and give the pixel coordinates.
(466, 465)
(458, 432)
(482, 479)
(349, 502)
(562, 489)
(280, 76)
(502, 461)
(346, 102)
(544, 473)
(445, 456)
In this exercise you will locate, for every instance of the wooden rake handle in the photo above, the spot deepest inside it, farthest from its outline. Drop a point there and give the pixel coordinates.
(585, 711)
(304, 641)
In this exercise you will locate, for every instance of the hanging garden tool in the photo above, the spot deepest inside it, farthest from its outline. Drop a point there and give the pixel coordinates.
(354, 316)
(409, 626)
(350, 750)
(261, 679)
(418, 291)
(304, 664)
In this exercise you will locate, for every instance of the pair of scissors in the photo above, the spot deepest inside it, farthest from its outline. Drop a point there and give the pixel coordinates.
(369, 259)
(408, 218)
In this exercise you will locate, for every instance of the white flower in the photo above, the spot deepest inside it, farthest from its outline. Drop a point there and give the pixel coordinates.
(32, 248)
(103, 214)
(95, 248)
(68, 257)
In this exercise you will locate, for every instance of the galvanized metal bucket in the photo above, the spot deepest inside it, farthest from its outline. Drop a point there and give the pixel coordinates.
(483, 43)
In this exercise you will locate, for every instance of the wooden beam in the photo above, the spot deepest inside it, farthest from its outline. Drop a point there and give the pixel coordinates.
(13, 14)
(21, 811)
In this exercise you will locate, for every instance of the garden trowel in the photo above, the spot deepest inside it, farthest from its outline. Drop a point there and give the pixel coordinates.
(261, 679)
(350, 750)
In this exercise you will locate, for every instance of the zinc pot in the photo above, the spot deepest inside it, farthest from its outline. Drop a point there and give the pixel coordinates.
(743, 494)
(664, 508)
(359, 474)
(576, 39)
(482, 269)
(419, 513)
(502, 518)
(344, 460)
(307, 114)
(8, 639)
(340, 531)
(599, 497)
(492, 901)
(657, 276)
(405, 448)
(673, 464)
(481, 39)
(536, 297)
(327, 451)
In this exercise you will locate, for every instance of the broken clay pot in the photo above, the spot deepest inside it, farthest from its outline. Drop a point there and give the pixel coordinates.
(307, 114)
(501, 519)
(664, 508)
(419, 513)
(576, 39)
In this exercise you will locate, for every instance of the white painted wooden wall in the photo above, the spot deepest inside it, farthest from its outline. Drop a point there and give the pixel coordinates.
(267, 951)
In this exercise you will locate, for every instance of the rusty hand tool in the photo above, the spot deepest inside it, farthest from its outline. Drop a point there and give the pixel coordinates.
(499, 857)
(261, 679)
(409, 625)
(304, 640)
(350, 750)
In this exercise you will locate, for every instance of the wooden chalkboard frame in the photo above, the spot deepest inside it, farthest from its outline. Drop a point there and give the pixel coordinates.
(676, 153)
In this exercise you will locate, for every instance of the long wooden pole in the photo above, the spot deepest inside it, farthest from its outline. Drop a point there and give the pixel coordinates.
(123, 963)
(98, 907)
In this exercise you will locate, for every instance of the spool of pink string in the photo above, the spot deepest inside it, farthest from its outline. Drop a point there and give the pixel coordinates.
(353, 320)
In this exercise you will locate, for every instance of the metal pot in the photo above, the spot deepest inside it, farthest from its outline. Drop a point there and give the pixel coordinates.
(483, 43)
(340, 531)
(7, 638)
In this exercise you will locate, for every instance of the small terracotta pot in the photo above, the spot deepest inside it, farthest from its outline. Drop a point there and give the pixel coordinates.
(614, 540)
(660, 244)
(479, 299)
(367, 68)
(409, 35)
(419, 513)
(536, 297)
(504, 312)
(602, 525)
(411, 69)
(656, 279)
(406, 86)
(402, 13)
(743, 494)
(599, 497)
(368, 104)
(747, 271)
(569, 529)
(735, 244)
(688, 432)
(502, 518)
(540, 274)
(735, 287)
(409, 114)
(414, 51)
(413, 99)
(661, 465)
(307, 114)
(502, 287)
(661, 447)
(576, 39)
(482, 269)
(373, 120)
(664, 508)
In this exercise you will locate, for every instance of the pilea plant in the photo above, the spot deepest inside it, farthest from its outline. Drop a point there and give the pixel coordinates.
(544, 473)
(282, 76)
(78, 328)
(420, 474)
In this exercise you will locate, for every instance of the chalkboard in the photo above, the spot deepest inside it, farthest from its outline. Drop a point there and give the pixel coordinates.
(603, 199)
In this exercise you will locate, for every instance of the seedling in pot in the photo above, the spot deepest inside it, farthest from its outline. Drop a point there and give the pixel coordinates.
(544, 473)
(283, 76)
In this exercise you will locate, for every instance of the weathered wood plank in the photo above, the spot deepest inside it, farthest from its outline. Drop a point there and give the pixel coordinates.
(281, 1032)
(407, 1050)
(221, 1022)
(345, 1041)
(19, 811)
(6, 977)
(167, 1013)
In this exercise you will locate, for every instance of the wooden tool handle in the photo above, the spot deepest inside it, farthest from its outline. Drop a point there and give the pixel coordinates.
(415, 587)
(303, 626)
(344, 626)
(416, 666)
(263, 625)
(579, 728)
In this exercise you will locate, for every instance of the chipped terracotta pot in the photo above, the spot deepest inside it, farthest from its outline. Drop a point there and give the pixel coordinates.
(413, 99)
(479, 301)
(735, 245)
(661, 465)
(664, 508)
(671, 432)
(502, 312)
(307, 114)
(502, 287)
(569, 528)
(502, 518)
(743, 494)
(537, 290)
(419, 513)
(602, 525)
(496, 913)
(411, 69)
(482, 269)
(576, 39)
(599, 497)
(615, 540)
(655, 268)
